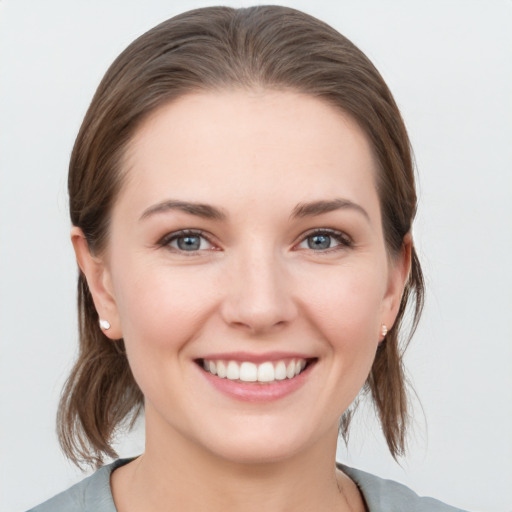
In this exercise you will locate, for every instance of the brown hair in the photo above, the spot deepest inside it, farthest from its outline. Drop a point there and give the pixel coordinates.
(210, 49)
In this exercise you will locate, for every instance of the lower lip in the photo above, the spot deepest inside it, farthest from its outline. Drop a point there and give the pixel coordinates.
(258, 392)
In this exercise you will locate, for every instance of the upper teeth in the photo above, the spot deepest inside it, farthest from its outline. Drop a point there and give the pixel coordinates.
(251, 372)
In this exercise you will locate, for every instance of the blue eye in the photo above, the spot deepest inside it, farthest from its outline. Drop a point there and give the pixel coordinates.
(319, 242)
(189, 242)
(186, 241)
(323, 240)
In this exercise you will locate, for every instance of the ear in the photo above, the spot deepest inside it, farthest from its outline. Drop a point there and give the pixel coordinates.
(399, 269)
(98, 277)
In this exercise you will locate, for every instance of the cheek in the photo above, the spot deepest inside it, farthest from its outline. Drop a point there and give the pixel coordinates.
(161, 312)
(346, 306)
(344, 312)
(163, 307)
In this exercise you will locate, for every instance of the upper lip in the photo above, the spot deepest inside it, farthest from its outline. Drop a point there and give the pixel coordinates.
(255, 358)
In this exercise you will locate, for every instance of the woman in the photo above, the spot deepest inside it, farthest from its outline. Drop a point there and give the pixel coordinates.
(241, 193)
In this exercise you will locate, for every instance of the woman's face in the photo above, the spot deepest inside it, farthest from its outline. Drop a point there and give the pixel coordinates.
(248, 240)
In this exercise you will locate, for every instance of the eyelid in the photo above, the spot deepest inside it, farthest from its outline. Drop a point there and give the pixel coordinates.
(344, 240)
(166, 240)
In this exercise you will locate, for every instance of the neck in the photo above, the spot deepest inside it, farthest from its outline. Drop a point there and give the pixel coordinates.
(175, 474)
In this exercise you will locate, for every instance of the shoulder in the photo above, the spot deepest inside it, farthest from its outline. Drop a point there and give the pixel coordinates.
(93, 494)
(388, 496)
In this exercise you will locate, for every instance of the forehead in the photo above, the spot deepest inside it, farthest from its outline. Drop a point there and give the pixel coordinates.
(255, 145)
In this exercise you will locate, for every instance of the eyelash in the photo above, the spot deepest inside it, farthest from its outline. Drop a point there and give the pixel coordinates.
(344, 241)
(171, 237)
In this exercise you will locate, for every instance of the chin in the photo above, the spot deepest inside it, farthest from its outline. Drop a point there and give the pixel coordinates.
(259, 441)
(257, 451)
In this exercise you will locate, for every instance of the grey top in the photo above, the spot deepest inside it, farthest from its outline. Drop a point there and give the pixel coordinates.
(93, 494)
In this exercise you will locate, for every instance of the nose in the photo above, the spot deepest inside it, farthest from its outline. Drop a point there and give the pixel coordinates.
(258, 297)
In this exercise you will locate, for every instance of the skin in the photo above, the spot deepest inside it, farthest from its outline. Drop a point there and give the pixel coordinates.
(254, 285)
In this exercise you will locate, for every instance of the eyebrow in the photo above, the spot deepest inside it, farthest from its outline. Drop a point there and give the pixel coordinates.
(320, 207)
(205, 211)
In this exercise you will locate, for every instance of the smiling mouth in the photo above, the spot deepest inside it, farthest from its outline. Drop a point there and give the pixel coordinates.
(263, 373)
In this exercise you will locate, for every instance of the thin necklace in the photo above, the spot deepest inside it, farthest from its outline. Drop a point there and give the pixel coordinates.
(342, 492)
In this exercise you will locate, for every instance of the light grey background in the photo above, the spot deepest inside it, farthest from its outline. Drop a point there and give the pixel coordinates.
(449, 64)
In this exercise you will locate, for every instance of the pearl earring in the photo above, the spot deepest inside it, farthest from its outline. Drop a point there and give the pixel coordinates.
(383, 330)
(104, 324)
